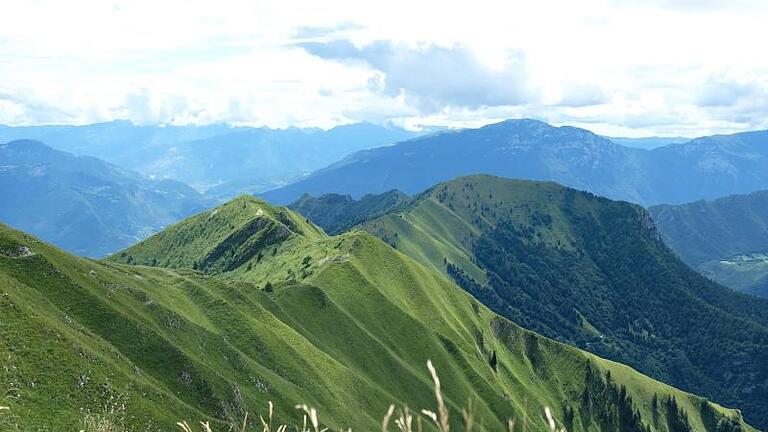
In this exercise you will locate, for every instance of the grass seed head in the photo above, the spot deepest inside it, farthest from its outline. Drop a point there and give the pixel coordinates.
(184, 426)
(441, 420)
(387, 417)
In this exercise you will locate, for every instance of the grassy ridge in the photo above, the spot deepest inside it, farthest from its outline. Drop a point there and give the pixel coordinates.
(343, 323)
(591, 272)
(220, 239)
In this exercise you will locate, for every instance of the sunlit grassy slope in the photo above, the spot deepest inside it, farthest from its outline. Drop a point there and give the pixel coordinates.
(592, 272)
(343, 323)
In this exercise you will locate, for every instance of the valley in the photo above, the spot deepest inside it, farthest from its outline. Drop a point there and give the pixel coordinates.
(725, 239)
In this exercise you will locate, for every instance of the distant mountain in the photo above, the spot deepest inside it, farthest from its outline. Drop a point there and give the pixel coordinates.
(513, 148)
(337, 213)
(760, 288)
(726, 239)
(709, 167)
(276, 156)
(232, 160)
(83, 204)
(648, 143)
(593, 273)
(119, 142)
(529, 149)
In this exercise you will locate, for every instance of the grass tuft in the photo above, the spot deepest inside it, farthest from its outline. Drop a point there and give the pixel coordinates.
(111, 418)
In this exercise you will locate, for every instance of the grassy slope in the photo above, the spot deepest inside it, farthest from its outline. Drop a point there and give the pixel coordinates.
(587, 289)
(430, 230)
(219, 239)
(347, 330)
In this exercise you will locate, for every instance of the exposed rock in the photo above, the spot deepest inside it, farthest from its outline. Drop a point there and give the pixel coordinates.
(18, 252)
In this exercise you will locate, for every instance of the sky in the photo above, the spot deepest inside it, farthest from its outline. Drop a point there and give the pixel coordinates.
(621, 67)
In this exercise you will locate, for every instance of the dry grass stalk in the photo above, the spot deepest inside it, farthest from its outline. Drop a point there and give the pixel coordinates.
(441, 417)
(404, 422)
(312, 414)
(469, 415)
(184, 426)
(387, 417)
(551, 420)
(245, 420)
(267, 425)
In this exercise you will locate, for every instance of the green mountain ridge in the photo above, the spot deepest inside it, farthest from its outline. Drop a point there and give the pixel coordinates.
(593, 273)
(343, 323)
(221, 239)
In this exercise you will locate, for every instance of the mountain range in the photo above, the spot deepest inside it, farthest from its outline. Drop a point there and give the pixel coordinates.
(706, 167)
(648, 143)
(91, 207)
(587, 271)
(227, 161)
(726, 239)
(247, 302)
(83, 204)
(231, 159)
(278, 311)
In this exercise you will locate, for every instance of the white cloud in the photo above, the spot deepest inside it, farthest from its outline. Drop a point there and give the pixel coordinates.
(623, 66)
(432, 77)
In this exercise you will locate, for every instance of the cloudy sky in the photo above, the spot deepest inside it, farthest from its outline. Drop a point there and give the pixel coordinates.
(622, 67)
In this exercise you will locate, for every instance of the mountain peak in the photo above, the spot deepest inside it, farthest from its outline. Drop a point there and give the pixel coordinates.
(522, 122)
(27, 146)
(221, 239)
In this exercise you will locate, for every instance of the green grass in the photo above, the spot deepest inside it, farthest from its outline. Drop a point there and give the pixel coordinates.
(220, 239)
(591, 272)
(344, 324)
